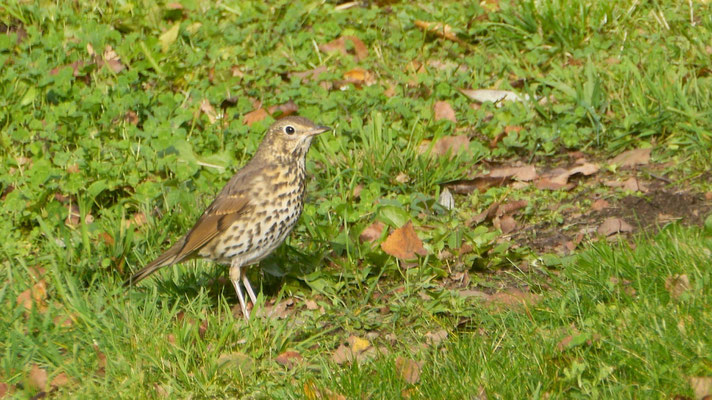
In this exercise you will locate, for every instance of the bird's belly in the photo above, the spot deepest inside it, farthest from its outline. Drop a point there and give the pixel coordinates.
(249, 240)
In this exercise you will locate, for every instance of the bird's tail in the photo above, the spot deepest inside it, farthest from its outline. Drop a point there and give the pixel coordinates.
(169, 257)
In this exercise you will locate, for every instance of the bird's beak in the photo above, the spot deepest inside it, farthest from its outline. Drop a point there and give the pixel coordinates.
(319, 129)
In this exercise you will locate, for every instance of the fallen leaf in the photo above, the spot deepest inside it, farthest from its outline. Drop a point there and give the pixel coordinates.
(203, 328)
(309, 75)
(101, 360)
(359, 76)
(446, 199)
(443, 110)
(358, 349)
(510, 207)
(676, 285)
(280, 310)
(498, 97)
(487, 214)
(168, 37)
(285, 109)
(339, 44)
(445, 145)
(372, 232)
(708, 196)
(37, 377)
(311, 305)
(61, 379)
(524, 173)
(5, 389)
(289, 359)
(506, 224)
(701, 386)
(632, 158)
(480, 183)
(600, 204)
(34, 296)
(112, 60)
(312, 392)
(161, 391)
(514, 297)
(403, 243)
(435, 338)
(549, 184)
(439, 29)
(408, 369)
(207, 109)
(254, 116)
(634, 185)
(613, 225)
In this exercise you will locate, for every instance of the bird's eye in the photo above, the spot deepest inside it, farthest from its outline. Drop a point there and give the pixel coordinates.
(289, 129)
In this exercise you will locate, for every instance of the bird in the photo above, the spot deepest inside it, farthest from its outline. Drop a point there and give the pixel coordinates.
(254, 212)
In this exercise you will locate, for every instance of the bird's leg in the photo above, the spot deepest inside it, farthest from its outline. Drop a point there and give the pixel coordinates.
(235, 273)
(248, 287)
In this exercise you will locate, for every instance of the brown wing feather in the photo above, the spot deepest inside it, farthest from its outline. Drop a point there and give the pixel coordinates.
(222, 213)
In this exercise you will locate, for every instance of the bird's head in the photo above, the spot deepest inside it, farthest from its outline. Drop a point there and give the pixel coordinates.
(289, 138)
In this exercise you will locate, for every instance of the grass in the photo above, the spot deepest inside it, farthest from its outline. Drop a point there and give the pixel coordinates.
(132, 155)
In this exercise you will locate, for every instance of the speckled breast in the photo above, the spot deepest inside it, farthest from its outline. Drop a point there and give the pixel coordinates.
(275, 207)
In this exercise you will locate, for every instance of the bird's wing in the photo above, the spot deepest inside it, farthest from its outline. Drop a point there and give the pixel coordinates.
(222, 213)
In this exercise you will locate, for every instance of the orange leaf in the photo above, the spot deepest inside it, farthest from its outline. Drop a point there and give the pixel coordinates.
(372, 232)
(38, 377)
(403, 243)
(254, 116)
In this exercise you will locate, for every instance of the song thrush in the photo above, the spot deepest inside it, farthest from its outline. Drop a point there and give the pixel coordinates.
(254, 212)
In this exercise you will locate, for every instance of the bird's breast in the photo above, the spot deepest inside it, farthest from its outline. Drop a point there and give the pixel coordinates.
(275, 207)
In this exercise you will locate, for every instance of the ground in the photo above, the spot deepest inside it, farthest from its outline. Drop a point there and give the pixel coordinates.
(514, 203)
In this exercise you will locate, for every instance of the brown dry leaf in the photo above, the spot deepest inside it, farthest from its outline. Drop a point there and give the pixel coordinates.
(408, 369)
(676, 285)
(37, 377)
(207, 109)
(311, 304)
(613, 225)
(34, 296)
(203, 328)
(254, 116)
(632, 158)
(524, 173)
(61, 379)
(339, 44)
(550, 184)
(510, 207)
(487, 214)
(5, 389)
(600, 204)
(439, 29)
(359, 48)
(390, 90)
(359, 76)
(289, 359)
(701, 386)
(285, 109)
(445, 145)
(372, 232)
(634, 185)
(73, 216)
(708, 196)
(435, 338)
(112, 60)
(403, 243)
(443, 110)
(506, 224)
(481, 183)
(309, 75)
(101, 360)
